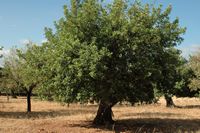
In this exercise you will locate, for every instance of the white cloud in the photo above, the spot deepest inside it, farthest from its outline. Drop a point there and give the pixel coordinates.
(189, 49)
(5, 53)
(24, 41)
(44, 40)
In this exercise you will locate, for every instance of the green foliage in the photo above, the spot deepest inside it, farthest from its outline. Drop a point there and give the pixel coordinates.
(29, 62)
(170, 79)
(194, 63)
(11, 78)
(1, 69)
(176, 75)
(182, 86)
(20, 71)
(118, 51)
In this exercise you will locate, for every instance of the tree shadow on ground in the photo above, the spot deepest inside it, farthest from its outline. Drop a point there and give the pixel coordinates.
(154, 115)
(43, 114)
(189, 107)
(149, 125)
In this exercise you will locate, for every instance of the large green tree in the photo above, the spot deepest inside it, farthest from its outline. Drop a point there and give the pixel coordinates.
(110, 53)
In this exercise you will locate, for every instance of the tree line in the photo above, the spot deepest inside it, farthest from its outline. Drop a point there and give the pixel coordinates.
(109, 53)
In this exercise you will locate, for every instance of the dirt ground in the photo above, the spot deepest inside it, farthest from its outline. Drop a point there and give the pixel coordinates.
(52, 117)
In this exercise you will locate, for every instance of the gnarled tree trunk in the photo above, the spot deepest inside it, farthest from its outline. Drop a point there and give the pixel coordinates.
(169, 101)
(104, 113)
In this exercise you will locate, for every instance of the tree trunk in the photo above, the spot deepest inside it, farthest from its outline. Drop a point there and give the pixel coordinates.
(104, 114)
(28, 95)
(13, 94)
(169, 101)
(7, 97)
(29, 102)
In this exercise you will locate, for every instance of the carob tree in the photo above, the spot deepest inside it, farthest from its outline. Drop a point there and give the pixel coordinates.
(110, 53)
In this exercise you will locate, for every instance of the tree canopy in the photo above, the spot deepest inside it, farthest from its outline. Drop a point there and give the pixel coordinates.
(110, 53)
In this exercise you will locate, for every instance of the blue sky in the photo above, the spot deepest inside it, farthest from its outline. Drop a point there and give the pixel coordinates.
(22, 20)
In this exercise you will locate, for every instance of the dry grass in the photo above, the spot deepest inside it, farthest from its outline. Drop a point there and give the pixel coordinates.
(51, 117)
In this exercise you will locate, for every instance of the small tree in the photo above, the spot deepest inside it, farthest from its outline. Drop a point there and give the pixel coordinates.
(21, 66)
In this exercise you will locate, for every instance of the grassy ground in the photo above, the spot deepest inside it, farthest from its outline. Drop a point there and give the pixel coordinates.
(51, 117)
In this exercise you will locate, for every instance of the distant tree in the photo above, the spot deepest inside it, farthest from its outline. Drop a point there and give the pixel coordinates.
(7, 85)
(1, 55)
(186, 74)
(1, 76)
(20, 67)
(110, 53)
(9, 73)
(1, 71)
(194, 63)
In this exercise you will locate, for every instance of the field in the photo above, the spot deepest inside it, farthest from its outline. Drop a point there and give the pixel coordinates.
(52, 117)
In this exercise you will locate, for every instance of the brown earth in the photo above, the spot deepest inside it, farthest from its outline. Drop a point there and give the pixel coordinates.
(52, 117)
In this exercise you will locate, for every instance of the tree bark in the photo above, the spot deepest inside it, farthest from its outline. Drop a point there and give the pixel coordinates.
(28, 94)
(29, 101)
(169, 101)
(104, 113)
